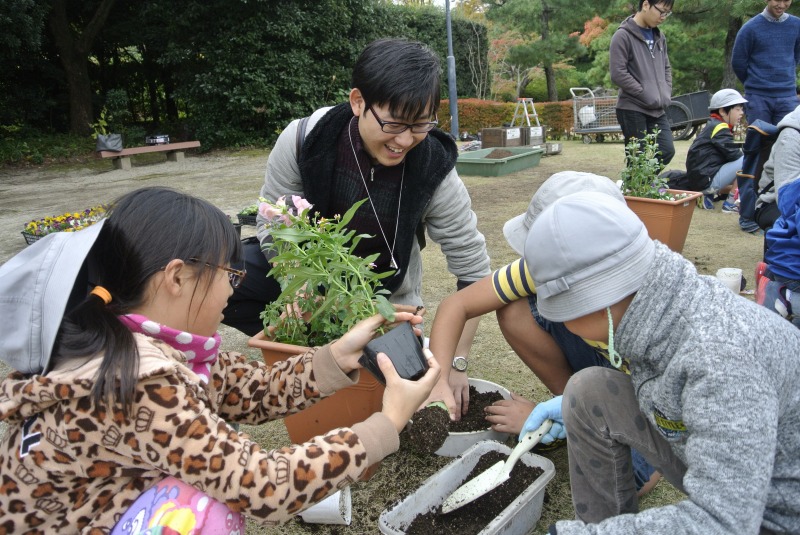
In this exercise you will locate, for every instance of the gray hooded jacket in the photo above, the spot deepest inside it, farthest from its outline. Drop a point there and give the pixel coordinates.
(728, 369)
(783, 164)
(644, 77)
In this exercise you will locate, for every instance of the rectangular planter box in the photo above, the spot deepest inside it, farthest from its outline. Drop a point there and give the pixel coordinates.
(533, 135)
(476, 163)
(502, 137)
(666, 221)
(519, 518)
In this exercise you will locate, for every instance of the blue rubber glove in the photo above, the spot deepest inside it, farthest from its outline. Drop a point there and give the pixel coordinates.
(547, 409)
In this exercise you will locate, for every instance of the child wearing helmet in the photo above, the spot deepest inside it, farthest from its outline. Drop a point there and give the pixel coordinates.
(713, 159)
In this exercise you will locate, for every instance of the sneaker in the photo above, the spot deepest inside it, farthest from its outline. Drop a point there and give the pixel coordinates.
(751, 227)
(706, 202)
(729, 208)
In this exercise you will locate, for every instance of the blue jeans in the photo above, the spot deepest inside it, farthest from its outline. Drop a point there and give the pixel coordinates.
(581, 355)
(726, 174)
(768, 109)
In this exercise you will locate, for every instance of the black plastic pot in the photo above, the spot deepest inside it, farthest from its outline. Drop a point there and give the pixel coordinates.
(404, 349)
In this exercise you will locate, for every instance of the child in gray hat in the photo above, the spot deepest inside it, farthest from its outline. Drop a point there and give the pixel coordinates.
(711, 400)
(551, 352)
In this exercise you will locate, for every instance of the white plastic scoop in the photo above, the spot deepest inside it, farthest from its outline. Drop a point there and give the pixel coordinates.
(497, 474)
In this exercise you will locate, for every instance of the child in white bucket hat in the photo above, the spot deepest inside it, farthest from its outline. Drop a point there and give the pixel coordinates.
(711, 399)
(551, 352)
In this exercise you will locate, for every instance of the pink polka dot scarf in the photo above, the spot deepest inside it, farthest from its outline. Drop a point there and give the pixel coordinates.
(201, 351)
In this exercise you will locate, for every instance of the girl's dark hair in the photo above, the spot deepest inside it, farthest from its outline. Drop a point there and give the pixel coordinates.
(145, 230)
(401, 73)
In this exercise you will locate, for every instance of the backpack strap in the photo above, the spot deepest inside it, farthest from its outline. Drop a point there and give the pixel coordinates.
(301, 136)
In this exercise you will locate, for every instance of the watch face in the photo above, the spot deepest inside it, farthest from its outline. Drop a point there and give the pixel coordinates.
(460, 364)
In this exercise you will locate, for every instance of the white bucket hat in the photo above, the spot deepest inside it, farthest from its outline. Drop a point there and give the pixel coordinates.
(724, 98)
(35, 287)
(558, 185)
(585, 252)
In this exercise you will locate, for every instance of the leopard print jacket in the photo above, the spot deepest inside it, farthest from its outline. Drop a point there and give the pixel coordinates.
(67, 466)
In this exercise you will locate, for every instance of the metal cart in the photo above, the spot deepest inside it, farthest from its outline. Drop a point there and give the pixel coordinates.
(687, 113)
(595, 115)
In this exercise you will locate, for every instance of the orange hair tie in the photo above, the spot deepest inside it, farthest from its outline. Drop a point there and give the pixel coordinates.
(102, 293)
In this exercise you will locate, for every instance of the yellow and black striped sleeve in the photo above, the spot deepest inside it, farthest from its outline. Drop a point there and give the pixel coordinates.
(513, 282)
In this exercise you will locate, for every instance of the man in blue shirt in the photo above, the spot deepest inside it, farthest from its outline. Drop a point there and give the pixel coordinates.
(765, 58)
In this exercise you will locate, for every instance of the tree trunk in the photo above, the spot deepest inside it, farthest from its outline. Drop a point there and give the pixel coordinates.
(549, 72)
(74, 45)
(728, 76)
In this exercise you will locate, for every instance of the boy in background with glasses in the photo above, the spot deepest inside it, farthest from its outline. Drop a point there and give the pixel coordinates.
(380, 145)
(640, 67)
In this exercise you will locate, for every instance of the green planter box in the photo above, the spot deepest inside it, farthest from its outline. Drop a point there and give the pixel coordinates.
(477, 163)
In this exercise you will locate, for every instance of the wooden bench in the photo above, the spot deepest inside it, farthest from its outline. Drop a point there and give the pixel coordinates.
(122, 159)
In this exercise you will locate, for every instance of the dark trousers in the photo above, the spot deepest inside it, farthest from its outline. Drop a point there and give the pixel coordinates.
(250, 299)
(635, 125)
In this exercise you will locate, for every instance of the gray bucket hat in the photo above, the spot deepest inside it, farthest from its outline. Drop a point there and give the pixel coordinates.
(585, 252)
(724, 98)
(35, 286)
(558, 185)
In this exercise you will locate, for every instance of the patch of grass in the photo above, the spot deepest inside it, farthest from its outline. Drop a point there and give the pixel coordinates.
(20, 146)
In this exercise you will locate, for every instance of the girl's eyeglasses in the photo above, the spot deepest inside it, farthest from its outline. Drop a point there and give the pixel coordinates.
(235, 276)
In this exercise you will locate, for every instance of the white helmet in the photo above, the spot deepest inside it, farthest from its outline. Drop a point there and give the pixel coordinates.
(724, 98)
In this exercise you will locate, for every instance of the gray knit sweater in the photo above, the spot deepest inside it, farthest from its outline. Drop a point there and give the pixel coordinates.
(729, 369)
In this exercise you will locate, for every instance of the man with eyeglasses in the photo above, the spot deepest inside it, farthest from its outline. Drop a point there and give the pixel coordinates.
(381, 145)
(640, 66)
(765, 57)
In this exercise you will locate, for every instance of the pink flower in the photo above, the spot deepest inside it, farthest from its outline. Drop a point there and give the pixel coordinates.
(268, 211)
(300, 203)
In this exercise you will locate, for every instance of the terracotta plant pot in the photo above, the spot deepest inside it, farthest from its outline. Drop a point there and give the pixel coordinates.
(666, 221)
(346, 407)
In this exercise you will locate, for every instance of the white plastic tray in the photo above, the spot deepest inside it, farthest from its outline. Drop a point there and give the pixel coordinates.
(519, 518)
(458, 443)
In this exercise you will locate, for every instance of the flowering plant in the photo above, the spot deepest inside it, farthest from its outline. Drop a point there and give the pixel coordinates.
(69, 222)
(640, 177)
(249, 210)
(325, 287)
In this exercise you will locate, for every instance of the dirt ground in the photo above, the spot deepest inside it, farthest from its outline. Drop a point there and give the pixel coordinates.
(232, 181)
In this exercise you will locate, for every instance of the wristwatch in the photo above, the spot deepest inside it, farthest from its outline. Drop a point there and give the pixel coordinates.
(460, 364)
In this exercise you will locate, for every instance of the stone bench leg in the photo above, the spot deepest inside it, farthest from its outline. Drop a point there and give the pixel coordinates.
(122, 162)
(175, 156)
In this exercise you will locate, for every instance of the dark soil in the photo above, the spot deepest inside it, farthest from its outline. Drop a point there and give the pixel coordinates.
(474, 516)
(475, 419)
(429, 430)
(499, 153)
(432, 424)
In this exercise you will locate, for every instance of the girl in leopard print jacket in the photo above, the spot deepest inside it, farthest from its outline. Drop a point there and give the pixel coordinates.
(125, 428)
